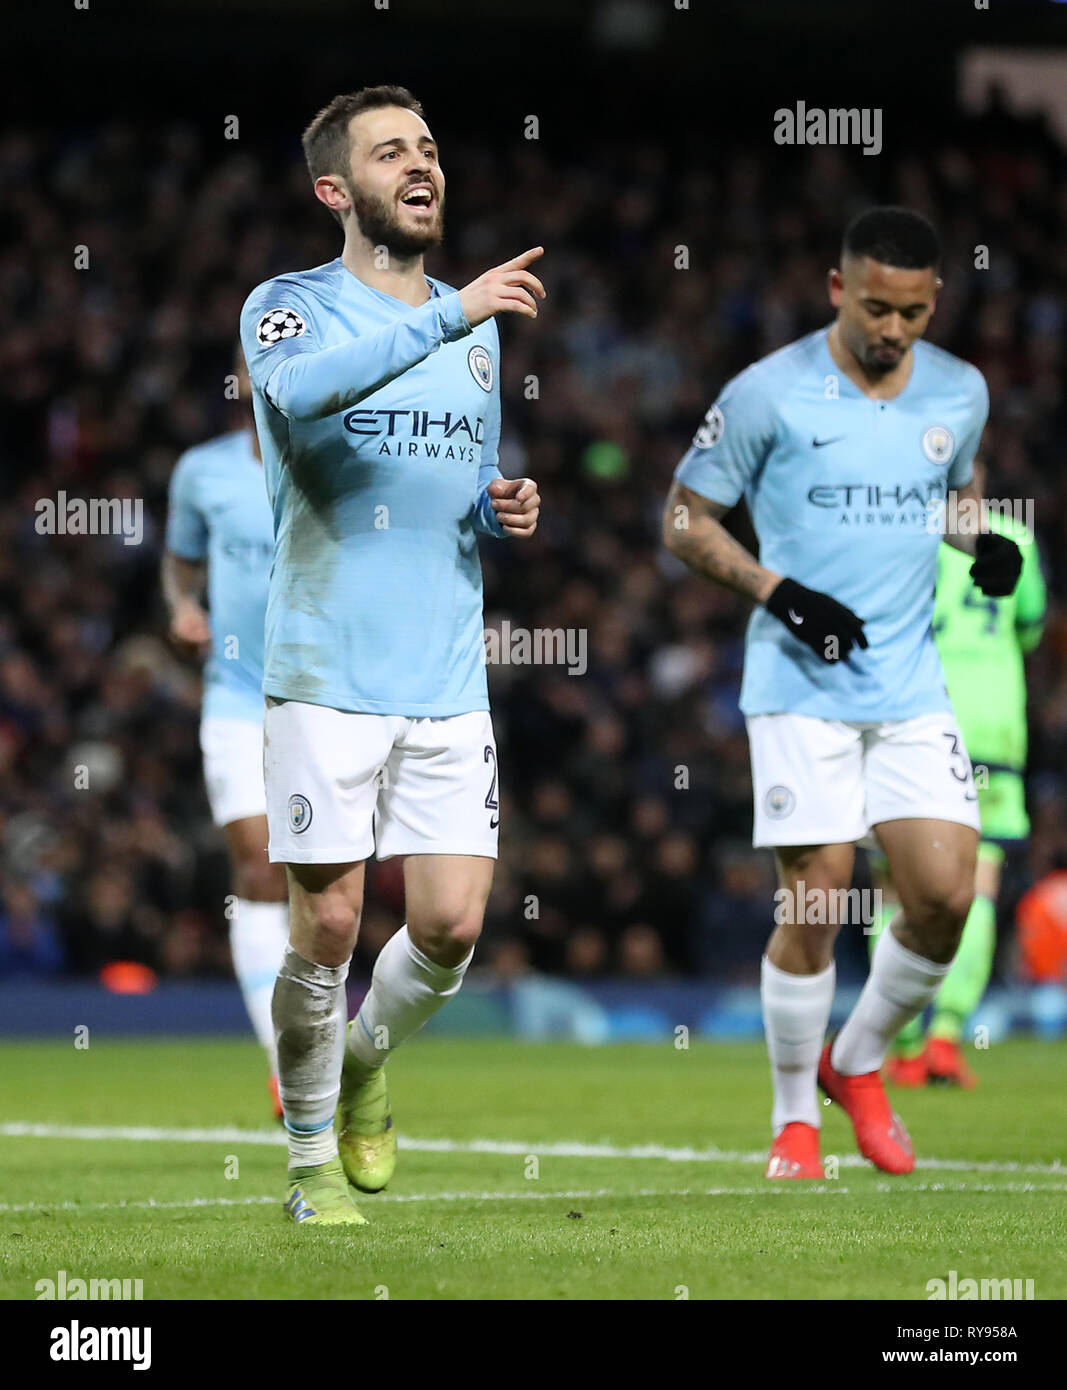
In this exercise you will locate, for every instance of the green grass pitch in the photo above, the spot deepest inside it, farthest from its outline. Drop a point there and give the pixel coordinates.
(527, 1171)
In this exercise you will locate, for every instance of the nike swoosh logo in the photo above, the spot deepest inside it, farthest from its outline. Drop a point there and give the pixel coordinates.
(822, 443)
(795, 617)
(494, 821)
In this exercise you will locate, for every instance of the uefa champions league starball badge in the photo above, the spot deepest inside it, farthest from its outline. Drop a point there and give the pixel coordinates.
(278, 325)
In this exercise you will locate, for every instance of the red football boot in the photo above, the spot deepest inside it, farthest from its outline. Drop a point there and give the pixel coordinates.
(906, 1071)
(945, 1065)
(275, 1098)
(880, 1135)
(795, 1153)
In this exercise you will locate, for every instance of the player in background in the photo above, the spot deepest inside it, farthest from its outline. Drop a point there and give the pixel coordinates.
(981, 642)
(220, 538)
(377, 401)
(842, 443)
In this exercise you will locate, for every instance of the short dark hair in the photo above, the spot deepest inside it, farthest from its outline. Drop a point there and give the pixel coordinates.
(325, 140)
(893, 236)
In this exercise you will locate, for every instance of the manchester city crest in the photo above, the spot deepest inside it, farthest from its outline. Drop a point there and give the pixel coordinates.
(779, 802)
(481, 365)
(938, 443)
(299, 813)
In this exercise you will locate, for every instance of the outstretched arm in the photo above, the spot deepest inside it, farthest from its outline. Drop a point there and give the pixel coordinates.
(307, 383)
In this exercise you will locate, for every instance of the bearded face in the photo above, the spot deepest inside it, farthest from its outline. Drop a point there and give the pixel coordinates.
(395, 181)
(406, 220)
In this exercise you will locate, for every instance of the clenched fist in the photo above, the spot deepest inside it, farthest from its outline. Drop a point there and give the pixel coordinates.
(517, 504)
(190, 630)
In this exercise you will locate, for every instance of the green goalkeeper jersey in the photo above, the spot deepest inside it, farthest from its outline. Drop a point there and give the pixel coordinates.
(982, 642)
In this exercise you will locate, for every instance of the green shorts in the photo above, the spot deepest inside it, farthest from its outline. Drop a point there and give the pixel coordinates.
(1001, 804)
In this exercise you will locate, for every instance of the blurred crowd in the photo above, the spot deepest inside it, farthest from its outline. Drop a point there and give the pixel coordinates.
(125, 256)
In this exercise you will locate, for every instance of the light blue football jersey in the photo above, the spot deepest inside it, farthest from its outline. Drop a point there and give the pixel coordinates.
(845, 494)
(218, 512)
(379, 425)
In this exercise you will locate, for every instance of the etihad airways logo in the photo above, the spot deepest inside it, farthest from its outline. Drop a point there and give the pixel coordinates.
(871, 504)
(942, 513)
(413, 424)
(410, 433)
(874, 495)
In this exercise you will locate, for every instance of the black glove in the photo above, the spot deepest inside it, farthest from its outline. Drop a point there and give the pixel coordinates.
(998, 562)
(817, 620)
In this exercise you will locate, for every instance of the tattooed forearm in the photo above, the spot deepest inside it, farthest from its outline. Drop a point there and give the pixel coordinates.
(692, 531)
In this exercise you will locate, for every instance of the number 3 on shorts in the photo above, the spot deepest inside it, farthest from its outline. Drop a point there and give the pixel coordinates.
(956, 752)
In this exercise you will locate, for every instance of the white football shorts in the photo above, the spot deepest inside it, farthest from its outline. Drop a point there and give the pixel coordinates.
(829, 781)
(341, 785)
(233, 768)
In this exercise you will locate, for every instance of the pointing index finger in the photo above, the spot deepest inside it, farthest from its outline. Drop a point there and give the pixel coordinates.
(525, 258)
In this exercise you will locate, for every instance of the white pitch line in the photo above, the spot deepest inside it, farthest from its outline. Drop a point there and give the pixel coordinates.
(500, 1147)
(150, 1205)
(145, 1133)
(777, 1189)
(370, 1203)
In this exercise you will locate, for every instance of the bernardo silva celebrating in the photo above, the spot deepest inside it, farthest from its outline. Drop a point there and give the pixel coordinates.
(376, 393)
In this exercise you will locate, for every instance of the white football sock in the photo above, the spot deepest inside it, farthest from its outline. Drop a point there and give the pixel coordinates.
(796, 1010)
(406, 989)
(900, 985)
(310, 1017)
(259, 934)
